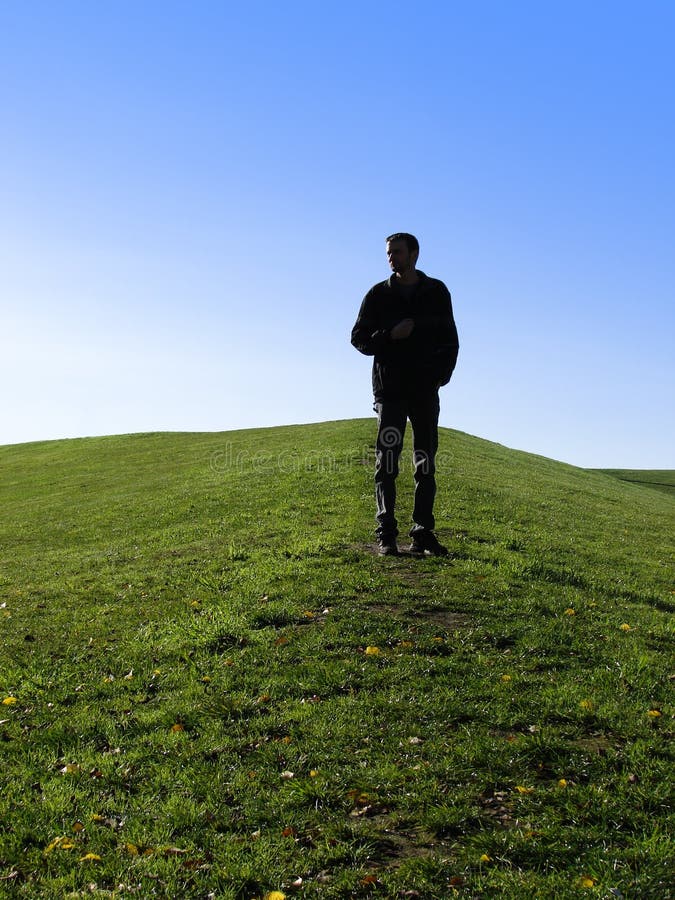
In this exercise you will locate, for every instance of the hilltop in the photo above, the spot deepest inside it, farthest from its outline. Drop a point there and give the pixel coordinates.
(212, 686)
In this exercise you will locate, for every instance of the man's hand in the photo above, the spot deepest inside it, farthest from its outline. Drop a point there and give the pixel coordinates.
(403, 330)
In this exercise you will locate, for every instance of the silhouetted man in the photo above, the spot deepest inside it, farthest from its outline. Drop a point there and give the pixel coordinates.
(406, 323)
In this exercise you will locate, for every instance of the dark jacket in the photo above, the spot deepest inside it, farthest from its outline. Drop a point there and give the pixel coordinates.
(423, 361)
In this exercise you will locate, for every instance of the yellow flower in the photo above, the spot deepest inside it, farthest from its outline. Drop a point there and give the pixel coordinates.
(506, 678)
(63, 843)
(9, 701)
(275, 895)
(586, 881)
(586, 704)
(372, 651)
(55, 843)
(654, 714)
(570, 612)
(524, 790)
(91, 857)
(562, 783)
(485, 858)
(625, 627)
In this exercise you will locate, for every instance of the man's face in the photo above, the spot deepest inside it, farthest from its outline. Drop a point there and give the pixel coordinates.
(400, 258)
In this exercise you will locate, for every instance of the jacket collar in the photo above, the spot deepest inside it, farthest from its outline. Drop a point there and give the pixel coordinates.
(392, 282)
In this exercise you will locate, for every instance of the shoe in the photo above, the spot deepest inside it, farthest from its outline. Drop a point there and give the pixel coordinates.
(387, 547)
(426, 542)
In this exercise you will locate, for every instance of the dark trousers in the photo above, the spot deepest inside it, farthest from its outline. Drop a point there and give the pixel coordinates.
(391, 423)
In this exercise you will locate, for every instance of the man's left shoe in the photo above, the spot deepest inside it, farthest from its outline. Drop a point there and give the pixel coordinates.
(426, 542)
(386, 546)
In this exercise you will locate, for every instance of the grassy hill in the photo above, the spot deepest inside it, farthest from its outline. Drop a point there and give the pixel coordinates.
(661, 479)
(212, 687)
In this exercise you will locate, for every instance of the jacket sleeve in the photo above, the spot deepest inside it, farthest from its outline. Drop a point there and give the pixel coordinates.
(447, 341)
(368, 335)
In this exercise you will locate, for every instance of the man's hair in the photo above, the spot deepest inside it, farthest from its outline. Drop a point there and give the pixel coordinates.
(410, 239)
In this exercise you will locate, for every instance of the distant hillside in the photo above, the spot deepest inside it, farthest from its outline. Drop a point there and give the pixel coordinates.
(660, 479)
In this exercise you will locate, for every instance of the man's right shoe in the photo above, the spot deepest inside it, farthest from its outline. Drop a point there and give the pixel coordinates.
(387, 547)
(424, 542)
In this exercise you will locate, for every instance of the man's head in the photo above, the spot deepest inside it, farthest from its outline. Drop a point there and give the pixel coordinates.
(402, 252)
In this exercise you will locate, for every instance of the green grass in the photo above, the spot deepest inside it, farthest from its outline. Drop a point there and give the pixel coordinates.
(187, 619)
(661, 479)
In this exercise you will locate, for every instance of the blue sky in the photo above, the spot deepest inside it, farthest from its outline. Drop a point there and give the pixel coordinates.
(194, 198)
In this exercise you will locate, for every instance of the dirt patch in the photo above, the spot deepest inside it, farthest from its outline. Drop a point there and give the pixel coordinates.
(444, 618)
(392, 843)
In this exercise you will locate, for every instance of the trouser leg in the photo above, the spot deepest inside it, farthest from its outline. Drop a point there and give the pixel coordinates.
(391, 421)
(423, 414)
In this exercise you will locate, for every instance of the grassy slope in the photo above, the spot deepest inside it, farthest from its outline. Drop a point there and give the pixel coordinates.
(187, 618)
(661, 479)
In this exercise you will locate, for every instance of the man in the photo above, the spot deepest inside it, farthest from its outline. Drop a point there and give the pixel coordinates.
(406, 323)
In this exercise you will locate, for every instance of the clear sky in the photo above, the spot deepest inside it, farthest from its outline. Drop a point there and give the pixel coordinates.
(194, 198)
